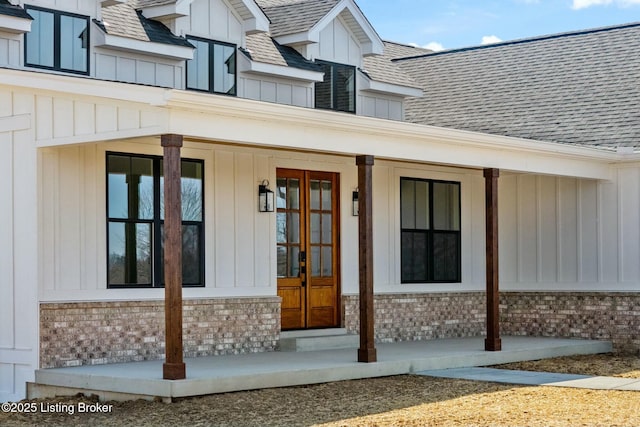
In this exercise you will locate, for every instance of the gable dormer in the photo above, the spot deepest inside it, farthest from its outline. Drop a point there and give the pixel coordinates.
(301, 23)
(253, 18)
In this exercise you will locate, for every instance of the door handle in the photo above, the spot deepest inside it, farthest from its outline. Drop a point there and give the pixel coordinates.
(302, 259)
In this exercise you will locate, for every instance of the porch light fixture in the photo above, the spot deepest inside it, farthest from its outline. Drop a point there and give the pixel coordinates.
(265, 197)
(355, 208)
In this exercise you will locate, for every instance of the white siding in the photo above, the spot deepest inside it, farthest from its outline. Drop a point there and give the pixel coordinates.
(336, 44)
(83, 7)
(129, 68)
(275, 90)
(379, 106)
(19, 257)
(570, 234)
(10, 50)
(212, 19)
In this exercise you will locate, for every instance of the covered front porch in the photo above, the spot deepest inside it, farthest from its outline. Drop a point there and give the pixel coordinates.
(222, 374)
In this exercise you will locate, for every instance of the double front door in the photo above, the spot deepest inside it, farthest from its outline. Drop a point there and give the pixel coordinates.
(307, 240)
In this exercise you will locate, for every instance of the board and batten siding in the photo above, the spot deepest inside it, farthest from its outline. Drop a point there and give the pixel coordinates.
(280, 91)
(240, 252)
(118, 66)
(211, 19)
(19, 256)
(560, 233)
(10, 50)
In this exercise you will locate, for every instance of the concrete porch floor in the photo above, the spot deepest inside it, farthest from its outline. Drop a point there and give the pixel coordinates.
(220, 374)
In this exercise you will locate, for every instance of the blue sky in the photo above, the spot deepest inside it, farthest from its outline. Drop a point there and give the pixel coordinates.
(460, 23)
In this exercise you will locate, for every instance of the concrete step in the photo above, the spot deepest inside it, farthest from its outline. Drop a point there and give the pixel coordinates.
(318, 339)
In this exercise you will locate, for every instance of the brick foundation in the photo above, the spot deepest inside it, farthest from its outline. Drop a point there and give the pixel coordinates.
(88, 333)
(414, 317)
(599, 316)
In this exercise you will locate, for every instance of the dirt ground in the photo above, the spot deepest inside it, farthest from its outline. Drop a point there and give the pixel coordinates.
(406, 400)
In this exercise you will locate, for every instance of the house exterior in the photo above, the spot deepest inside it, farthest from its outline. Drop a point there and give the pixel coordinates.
(284, 95)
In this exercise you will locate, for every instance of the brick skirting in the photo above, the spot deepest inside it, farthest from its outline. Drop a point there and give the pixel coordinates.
(414, 317)
(87, 333)
(600, 316)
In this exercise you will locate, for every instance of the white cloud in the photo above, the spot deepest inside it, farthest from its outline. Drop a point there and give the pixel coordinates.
(434, 46)
(490, 39)
(583, 4)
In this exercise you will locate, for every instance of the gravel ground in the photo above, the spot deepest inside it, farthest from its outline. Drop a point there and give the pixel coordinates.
(406, 400)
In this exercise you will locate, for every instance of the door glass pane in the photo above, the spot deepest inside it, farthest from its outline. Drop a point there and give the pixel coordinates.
(315, 228)
(326, 229)
(326, 261)
(314, 189)
(294, 194)
(446, 206)
(40, 39)
(198, 67)
(282, 261)
(129, 253)
(74, 41)
(294, 261)
(281, 193)
(293, 226)
(315, 261)
(281, 227)
(326, 195)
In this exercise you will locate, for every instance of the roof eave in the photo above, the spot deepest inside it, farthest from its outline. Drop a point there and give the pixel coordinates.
(370, 85)
(167, 11)
(255, 67)
(14, 24)
(150, 48)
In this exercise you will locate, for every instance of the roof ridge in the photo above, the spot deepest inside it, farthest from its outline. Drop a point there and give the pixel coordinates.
(525, 40)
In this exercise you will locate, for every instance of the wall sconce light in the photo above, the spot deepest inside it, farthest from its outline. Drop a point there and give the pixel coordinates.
(265, 197)
(355, 208)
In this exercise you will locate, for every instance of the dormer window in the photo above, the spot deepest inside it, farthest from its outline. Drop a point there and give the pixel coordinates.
(338, 90)
(213, 67)
(57, 41)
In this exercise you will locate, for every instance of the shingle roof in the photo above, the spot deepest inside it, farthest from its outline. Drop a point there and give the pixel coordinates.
(579, 88)
(123, 20)
(262, 48)
(294, 16)
(8, 9)
(381, 68)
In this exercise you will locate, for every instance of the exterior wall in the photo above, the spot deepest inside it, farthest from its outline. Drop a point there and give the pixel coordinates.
(113, 332)
(114, 65)
(336, 44)
(19, 258)
(417, 317)
(386, 228)
(211, 19)
(588, 315)
(10, 50)
(239, 257)
(380, 106)
(82, 7)
(572, 235)
(280, 91)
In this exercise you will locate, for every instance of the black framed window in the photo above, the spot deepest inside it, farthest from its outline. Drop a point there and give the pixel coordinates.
(213, 67)
(57, 41)
(338, 90)
(430, 231)
(135, 221)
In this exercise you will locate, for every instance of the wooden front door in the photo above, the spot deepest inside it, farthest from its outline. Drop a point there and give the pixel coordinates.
(307, 239)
